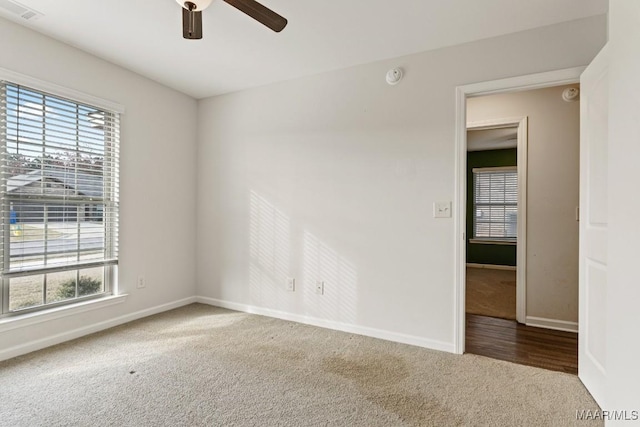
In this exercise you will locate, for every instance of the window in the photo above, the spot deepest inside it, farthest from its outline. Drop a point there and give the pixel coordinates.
(495, 204)
(58, 200)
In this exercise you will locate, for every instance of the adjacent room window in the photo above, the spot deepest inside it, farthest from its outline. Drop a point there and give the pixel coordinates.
(58, 200)
(495, 204)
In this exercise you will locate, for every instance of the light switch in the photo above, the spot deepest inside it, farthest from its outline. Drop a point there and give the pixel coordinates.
(442, 210)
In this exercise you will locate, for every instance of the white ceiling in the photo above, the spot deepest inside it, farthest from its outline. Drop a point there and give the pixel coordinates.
(237, 53)
(492, 139)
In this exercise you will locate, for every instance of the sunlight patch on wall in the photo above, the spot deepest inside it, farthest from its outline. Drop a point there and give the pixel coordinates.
(269, 253)
(322, 263)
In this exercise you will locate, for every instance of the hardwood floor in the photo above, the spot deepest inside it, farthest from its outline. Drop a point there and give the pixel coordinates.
(491, 292)
(508, 340)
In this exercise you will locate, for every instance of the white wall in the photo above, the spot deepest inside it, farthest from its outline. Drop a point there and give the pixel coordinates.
(552, 192)
(157, 177)
(333, 177)
(623, 296)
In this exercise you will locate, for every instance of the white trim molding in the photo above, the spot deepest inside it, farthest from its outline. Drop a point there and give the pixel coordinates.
(514, 84)
(330, 324)
(495, 169)
(558, 325)
(30, 346)
(33, 318)
(487, 241)
(492, 266)
(522, 83)
(54, 89)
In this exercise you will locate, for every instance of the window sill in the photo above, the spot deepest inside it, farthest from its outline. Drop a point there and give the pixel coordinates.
(493, 242)
(21, 321)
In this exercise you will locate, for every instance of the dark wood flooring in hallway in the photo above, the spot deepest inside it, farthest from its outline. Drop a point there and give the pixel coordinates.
(527, 345)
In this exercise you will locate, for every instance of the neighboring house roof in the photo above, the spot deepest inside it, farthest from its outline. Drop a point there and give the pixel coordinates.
(19, 181)
(86, 184)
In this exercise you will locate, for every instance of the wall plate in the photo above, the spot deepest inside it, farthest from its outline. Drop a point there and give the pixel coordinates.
(442, 210)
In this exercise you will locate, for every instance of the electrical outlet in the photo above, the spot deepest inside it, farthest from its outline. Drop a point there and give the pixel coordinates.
(142, 283)
(291, 284)
(319, 287)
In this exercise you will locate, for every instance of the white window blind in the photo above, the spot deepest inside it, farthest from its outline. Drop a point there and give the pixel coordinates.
(58, 199)
(495, 203)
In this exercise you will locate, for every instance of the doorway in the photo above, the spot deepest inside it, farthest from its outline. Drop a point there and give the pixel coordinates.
(496, 217)
(490, 228)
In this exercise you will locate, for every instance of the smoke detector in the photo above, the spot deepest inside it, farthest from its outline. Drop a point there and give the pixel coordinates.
(394, 76)
(571, 94)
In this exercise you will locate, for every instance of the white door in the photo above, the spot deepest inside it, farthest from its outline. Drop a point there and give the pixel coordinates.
(594, 128)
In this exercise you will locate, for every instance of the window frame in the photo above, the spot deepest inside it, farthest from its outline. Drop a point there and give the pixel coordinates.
(492, 239)
(110, 195)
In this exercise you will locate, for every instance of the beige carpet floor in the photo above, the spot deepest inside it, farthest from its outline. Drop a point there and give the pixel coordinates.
(204, 366)
(491, 292)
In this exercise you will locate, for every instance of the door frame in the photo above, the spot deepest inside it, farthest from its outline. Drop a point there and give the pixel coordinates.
(513, 84)
(521, 123)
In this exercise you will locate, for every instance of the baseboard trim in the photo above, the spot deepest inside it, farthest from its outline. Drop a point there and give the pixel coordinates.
(330, 324)
(28, 347)
(558, 325)
(493, 266)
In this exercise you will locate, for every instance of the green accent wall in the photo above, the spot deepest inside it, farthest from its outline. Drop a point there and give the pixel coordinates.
(483, 253)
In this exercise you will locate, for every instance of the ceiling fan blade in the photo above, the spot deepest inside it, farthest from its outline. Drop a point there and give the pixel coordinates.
(191, 24)
(260, 13)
